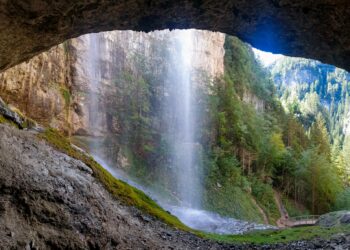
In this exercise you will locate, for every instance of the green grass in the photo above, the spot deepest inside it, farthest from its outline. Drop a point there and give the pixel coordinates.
(281, 236)
(232, 201)
(125, 193)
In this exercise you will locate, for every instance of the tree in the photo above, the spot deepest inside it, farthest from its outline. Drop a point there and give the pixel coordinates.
(317, 181)
(345, 168)
(271, 154)
(319, 137)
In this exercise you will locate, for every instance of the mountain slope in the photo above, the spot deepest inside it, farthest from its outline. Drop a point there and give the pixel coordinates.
(308, 87)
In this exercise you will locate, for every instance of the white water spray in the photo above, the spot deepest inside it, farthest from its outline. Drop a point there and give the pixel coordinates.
(179, 106)
(187, 172)
(93, 71)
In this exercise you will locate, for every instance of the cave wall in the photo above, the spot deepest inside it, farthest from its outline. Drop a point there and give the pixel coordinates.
(312, 29)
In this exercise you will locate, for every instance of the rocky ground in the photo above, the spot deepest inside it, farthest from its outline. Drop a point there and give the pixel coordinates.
(51, 201)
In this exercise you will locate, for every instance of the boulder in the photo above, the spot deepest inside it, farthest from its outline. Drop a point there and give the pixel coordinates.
(334, 219)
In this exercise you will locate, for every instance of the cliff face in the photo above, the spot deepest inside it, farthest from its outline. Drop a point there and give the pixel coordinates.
(55, 87)
(40, 88)
(256, 102)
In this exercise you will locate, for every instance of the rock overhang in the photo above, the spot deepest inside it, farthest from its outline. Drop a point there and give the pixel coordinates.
(312, 29)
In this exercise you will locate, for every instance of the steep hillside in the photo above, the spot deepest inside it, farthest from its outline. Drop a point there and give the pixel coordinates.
(259, 146)
(318, 95)
(307, 88)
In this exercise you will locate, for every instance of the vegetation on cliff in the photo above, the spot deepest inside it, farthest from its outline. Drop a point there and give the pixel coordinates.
(261, 149)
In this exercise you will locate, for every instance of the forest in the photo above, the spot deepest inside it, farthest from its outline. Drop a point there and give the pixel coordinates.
(260, 134)
(295, 145)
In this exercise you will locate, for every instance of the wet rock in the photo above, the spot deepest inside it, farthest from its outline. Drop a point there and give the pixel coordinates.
(9, 114)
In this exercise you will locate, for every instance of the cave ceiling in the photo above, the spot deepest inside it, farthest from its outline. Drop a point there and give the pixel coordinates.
(317, 29)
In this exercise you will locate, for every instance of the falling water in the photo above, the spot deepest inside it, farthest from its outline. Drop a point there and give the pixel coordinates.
(180, 116)
(186, 172)
(93, 74)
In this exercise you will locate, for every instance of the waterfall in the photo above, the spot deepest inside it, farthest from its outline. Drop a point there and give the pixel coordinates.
(186, 172)
(93, 74)
(175, 119)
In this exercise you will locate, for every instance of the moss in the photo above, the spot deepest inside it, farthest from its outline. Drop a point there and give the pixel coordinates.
(281, 236)
(27, 122)
(121, 190)
(7, 121)
(66, 95)
(2, 119)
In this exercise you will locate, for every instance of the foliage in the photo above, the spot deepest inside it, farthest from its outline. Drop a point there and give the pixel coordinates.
(227, 191)
(271, 147)
(134, 197)
(265, 197)
(294, 209)
(318, 183)
(308, 88)
(343, 200)
(250, 144)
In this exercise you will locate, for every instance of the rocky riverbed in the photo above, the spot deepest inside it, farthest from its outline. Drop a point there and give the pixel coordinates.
(49, 200)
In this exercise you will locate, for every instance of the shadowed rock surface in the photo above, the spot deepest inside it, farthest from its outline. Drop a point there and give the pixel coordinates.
(312, 29)
(51, 201)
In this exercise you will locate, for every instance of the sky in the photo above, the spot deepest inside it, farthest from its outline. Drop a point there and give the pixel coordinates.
(266, 58)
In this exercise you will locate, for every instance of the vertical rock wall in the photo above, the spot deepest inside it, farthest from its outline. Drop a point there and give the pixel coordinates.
(40, 87)
(53, 88)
